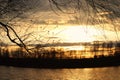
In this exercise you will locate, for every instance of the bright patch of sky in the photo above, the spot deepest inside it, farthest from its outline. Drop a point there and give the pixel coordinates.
(40, 24)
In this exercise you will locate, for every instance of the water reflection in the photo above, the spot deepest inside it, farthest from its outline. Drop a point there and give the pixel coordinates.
(12, 73)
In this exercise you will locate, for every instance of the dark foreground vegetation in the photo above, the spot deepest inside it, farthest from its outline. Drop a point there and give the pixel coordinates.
(62, 63)
(59, 58)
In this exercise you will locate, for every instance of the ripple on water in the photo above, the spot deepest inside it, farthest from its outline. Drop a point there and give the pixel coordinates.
(14, 73)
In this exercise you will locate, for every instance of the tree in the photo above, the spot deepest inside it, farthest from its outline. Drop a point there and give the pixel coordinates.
(99, 8)
(14, 16)
(11, 12)
(88, 12)
(91, 12)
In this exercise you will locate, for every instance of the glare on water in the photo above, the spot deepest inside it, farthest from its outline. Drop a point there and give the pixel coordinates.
(13, 73)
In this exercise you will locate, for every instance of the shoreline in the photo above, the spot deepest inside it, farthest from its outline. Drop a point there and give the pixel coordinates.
(106, 61)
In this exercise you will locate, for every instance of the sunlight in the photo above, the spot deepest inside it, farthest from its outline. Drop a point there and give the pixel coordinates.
(75, 47)
(79, 34)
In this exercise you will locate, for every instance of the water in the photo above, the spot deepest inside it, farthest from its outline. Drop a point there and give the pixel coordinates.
(14, 73)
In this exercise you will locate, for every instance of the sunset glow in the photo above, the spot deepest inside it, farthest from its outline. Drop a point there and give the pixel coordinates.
(79, 34)
(76, 48)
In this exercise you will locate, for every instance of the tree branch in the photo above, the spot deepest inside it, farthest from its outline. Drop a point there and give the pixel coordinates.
(21, 44)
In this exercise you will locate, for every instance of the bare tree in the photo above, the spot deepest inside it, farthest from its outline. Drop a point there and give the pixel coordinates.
(100, 8)
(15, 14)
(88, 12)
(10, 11)
(91, 12)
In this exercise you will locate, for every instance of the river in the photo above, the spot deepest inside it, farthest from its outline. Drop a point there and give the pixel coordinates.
(15, 73)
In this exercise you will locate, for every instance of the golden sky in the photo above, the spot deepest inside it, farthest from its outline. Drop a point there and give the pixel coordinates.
(45, 23)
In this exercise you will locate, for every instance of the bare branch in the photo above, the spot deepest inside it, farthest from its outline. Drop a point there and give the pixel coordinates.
(21, 44)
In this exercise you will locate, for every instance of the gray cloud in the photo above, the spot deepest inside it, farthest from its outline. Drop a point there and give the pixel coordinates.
(25, 10)
(11, 8)
(33, 9)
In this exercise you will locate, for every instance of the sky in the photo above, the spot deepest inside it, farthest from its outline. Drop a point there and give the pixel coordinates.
(44, 11)
(72, 24)
(35, 10)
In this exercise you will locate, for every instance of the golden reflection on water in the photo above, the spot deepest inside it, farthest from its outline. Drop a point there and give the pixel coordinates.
(14, 73)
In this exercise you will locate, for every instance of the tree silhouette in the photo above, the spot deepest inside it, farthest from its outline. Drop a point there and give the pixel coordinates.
(11, 13)
(91, 12)
(10, 10)
(88, 12)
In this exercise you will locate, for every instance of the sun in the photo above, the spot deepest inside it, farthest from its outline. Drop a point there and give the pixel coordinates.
(78, 34)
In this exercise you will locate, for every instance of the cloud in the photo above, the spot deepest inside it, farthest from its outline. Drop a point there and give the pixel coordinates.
(28, 4)
(40, 9)
(12, 8)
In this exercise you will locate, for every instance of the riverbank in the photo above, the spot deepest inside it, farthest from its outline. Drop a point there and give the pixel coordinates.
(104, 61)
